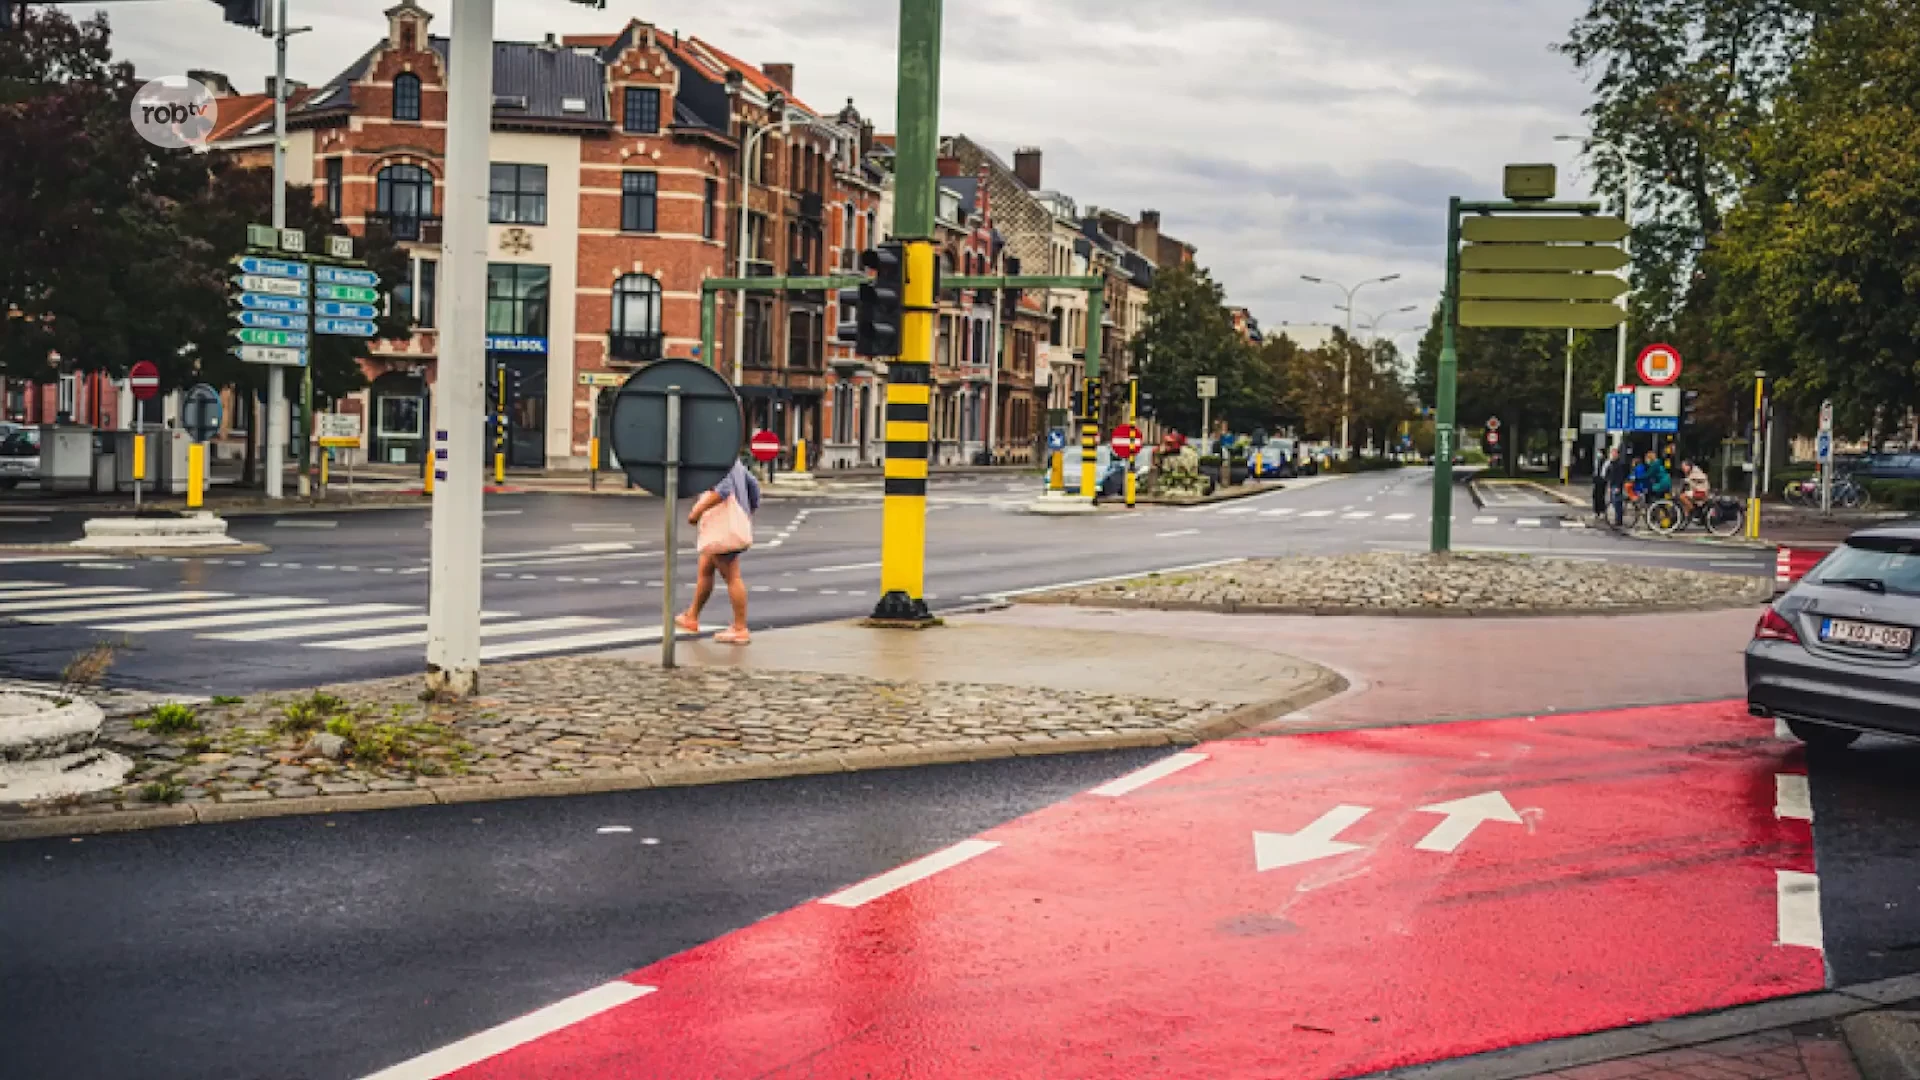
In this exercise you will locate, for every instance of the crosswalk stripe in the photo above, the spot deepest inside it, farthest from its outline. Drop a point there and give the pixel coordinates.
(61, 594)
(328, 629)
(1238, 510)
(532, 626)
(1282, 512)
(1399, 517)
(1527, 523)
(24, 586)
(208, 622)
(102, 618)
(1570, 523)
(1318, 513)
(608, 638)
(98, 598)
(1358, 515)
(1486, 521)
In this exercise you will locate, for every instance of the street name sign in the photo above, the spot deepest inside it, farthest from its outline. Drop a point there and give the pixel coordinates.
(288, 339)
(284, 305)
(335, 275)
(336, 310)
(278, 268)
(266, 320)
(338, 430)
(345, 327)
(268, 354)
(273, 286)
(353, 294)
(1208, 386)
(602, 379)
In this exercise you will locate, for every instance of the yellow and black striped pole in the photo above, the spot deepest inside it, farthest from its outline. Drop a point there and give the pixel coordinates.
(903, 537)
(1089, 437)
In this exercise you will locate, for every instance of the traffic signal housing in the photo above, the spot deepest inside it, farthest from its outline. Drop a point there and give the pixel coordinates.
(250, 13)
(879, 304)
(1689, 402)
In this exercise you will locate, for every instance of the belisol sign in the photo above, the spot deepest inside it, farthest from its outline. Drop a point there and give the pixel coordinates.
(1320, 905)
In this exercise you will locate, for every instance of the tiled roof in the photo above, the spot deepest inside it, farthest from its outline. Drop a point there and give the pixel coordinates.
(239, 115)
(967, 187)
(549, 78)
(753, 75)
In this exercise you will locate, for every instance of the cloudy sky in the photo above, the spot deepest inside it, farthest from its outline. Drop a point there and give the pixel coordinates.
(1283, 137)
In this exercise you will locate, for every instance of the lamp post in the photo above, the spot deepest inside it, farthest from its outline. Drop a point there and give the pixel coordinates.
(1626, 246)
(750, 153)
(1346, 364)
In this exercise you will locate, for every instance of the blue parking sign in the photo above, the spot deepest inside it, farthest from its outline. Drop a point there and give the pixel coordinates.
(1619, 412)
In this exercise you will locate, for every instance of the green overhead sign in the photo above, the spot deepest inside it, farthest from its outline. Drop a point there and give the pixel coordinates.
(1540, 314)
(1543, 229)
(1482, 285)
(1541, 271)
(1542, 257)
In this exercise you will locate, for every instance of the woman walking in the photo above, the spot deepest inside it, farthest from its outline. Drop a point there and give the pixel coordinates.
(725, 519)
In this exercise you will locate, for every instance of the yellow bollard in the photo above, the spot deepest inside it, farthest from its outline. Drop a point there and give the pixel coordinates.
(800, 455)
(326, 456)
(1130, 483)
(428, 488)
(499, 468)
(1058, 480)
(139, 457)
(196, 475)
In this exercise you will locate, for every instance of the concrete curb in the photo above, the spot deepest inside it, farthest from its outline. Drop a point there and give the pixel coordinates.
(1676, 1034)
(134, 552)
(1241, 492)
(442, 791)
(1759, 593)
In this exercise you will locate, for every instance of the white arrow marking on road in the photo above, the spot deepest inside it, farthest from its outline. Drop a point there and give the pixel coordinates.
(1462, 817)
(1316, 841)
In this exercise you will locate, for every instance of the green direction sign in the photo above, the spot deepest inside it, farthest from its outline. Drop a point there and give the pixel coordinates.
(1543, 229)
(1540, 314)
(279, 338)
(352, 294)
(1541, 257)
(1481, 285)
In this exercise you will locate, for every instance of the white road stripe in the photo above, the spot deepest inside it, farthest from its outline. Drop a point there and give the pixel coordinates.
(26, 610)
(10, 586)
(98, 619)
(844, 569)
(499, 563)
(1571, 523)
(61, 594)
(589, 527)
(1399, 517)
(253, 618)
(532, 626)
(48, 558)
(24, 520)
(1140, 778)
(351, 626)
(1791, 797)
(917, 870)
(1527, 523)
(1486, 520)
(500, 513)
(1317, 514)
(1177, 532)
(496, 1041)
(1238, 510)
(1283, 512)
(299, 523)
(1358, 515)
(1798, 903)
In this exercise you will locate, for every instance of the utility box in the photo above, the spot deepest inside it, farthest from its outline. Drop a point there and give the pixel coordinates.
(66, 458)
(1532, 183)
(167, 461)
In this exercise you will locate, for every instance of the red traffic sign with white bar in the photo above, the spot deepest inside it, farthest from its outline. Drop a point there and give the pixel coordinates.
(765, 446)
(1127, 440)
(1287, 907)
(1659, 365)
(144, 380)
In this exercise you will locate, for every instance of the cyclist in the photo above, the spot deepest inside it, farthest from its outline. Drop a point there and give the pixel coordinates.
(1698, 488)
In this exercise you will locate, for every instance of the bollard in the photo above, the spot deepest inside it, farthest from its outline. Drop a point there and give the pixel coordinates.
(427, 489)
(1130, 482)
(800, 455)
(499, 467)
(196, 475)
(1058, 480)
(326, 457)
(593, 463)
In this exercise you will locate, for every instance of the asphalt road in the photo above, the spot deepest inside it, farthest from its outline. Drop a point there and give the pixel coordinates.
(342, 596)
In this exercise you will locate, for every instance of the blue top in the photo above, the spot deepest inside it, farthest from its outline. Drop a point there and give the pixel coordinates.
(737, 482)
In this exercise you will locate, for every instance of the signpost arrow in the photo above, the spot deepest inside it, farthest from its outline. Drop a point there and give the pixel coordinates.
(337, 310)
(1462, 817)
(1316, 841)
(345, 327)
(333, 275)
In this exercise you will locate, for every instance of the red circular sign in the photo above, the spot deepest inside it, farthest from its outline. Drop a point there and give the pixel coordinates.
(1126, 440)
(1659, 365)
(144, 380)
(765, 446)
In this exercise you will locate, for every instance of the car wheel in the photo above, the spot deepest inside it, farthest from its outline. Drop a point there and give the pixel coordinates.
(1821, 735)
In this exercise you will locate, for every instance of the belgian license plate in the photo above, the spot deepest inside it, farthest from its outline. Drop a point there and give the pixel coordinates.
(1867, 635)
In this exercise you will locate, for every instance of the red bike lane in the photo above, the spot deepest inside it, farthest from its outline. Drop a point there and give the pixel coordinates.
(1310, 906)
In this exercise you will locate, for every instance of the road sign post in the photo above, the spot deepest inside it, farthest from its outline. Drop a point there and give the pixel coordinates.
(1126, 443)
(1824, 451)
(144, 380)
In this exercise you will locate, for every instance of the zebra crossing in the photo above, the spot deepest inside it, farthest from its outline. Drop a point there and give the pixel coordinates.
(298, 621)
(1350, 515)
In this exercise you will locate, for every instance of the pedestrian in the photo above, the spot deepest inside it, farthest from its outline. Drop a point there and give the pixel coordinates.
(1600, 484)
(1618, 475)
(725, 519)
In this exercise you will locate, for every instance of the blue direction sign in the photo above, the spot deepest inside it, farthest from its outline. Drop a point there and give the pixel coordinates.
(335, 310)
(284, 305)
(1823, 446)
(279, 268)
(1056, 439)
(1620, 412)
(264, 320)
(1659, 425)
(334, 275)
(345, 327)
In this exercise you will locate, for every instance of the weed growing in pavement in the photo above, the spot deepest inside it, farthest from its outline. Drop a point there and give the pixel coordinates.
(228, 699)
(309, 714)
(172, 718)
(163, 791)
(199, 744)
(86, 670)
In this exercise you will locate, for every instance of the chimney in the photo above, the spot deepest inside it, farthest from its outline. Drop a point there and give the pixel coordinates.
(781, 75)
(1146, 236)
(1150, 219)
(949, 166)
(1026, 167)
(866, 139)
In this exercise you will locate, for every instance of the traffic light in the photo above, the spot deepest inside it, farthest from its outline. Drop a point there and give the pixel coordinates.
(252, 13)
(882, 301)
(1689, 400)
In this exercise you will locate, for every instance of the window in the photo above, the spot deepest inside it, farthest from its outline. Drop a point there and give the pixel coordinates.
(406, 97)
(847, 238)
(805, 340)
(336, 181)
(399, 417)
(710, 211)
(635, 334)
(427, 272)
(403, 196)
(642, 116)
(1055, 327)
(757, 338)
(517, 300)
(639, 201)
(518, 195)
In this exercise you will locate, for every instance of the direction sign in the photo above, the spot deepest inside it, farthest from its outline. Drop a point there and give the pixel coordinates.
(260, 283)
(765, 446)
(268, 354)
(1659, 365)
(1542, 257)
(266, 320)
(603, 379)
(285, 305)
(285, 339)
(354, 294)
(1619, 412)
(1489, 285)
(200, 412)
(336, 275)
(1543, 229)
(1208, 386)
(1126, 440)
(1056, 439)
(1541, 314)
(144, 380)
(345, 327)
(277, 268)
(334, 309)
(340, 430)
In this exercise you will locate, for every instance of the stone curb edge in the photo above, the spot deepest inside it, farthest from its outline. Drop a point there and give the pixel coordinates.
(1676, 1034)
(1760, 593)
(134, 552)
(452, 793)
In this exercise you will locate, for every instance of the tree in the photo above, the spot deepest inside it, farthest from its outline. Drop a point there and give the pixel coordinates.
(1189, 334)
(1516, 375)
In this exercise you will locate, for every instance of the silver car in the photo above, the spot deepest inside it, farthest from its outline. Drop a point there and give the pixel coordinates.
(1835, 656)
(19, 456)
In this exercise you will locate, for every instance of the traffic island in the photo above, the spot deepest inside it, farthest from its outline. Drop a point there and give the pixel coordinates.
(1383, 583)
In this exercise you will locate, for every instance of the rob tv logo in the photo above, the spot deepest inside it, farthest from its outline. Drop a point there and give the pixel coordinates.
(175, 112)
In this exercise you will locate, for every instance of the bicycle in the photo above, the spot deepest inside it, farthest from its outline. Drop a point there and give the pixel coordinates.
(1720, 515)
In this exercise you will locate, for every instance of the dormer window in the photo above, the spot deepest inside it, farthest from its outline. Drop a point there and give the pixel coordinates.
(409, 37)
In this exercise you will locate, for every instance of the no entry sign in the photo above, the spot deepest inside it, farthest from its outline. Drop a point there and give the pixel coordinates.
(765, 446)
(1320, 905)
(1659, 365)
(144, 380)
(1126, 440)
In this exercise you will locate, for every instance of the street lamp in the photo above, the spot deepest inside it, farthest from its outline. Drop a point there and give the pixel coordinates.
(750, 140)
(1346, 376)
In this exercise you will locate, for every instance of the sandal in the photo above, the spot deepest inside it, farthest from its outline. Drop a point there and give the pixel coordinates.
(687, 624)
(732, 637)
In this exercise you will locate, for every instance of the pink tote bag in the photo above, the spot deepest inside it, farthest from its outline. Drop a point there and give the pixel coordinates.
(726, 529)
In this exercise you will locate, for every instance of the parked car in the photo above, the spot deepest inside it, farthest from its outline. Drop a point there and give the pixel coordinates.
(1835, 656)
(1274, 461)
(19, 456)
(1883, 467)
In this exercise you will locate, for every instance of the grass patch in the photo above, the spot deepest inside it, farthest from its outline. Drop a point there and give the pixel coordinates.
(163, 791)
(171, 718)
(304, 716)
(228, 699)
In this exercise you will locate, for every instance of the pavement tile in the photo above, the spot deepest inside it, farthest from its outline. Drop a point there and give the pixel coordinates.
(1605, 1070)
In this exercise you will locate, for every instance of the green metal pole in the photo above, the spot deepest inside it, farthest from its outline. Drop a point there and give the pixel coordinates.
(707, 355)
(1444, 387)
(1096, 314)
(918, 117)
